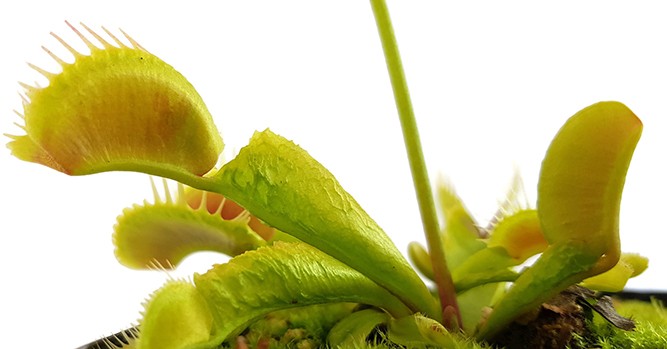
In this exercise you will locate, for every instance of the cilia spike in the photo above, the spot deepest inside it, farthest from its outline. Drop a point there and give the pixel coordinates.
(83, 38)
(120, 108)
(59, 60)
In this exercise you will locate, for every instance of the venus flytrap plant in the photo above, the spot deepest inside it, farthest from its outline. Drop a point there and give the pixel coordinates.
(297, 238)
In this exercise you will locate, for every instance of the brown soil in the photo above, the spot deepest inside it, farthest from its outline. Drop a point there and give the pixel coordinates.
(552, 326)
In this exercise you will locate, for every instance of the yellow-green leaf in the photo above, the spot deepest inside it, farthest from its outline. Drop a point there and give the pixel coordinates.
(582, 178)
(520, 235)
(614, 279)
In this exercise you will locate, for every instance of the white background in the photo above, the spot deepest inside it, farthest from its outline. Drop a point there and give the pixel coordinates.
(491, 84)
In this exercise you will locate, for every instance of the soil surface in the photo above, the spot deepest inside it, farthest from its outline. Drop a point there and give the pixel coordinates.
(552, 326)
(558, 322)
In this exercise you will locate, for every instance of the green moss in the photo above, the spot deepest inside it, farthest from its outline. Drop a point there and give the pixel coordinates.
(650, 333)
(653, 313)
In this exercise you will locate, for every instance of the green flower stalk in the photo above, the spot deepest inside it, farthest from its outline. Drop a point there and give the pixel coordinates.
(442, 277)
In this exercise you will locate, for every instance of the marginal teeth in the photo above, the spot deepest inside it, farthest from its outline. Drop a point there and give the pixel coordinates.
(104, 43)
(69, 48)
(53, 55)
(47, 74)
(25, 101)
(27, 87)
(180, 198)
(134, 43)
(115, 39)
(123, 339)
(167, 193)
(85, 40)
(156, 265)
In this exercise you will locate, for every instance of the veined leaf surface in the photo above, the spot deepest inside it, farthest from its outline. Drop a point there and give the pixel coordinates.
(281, 276)
(284, 186)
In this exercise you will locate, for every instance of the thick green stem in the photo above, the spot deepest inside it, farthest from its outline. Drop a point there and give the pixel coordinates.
(443, 278)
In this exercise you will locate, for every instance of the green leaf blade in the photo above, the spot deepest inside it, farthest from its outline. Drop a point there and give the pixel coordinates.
(284, 186)
(282, 276)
